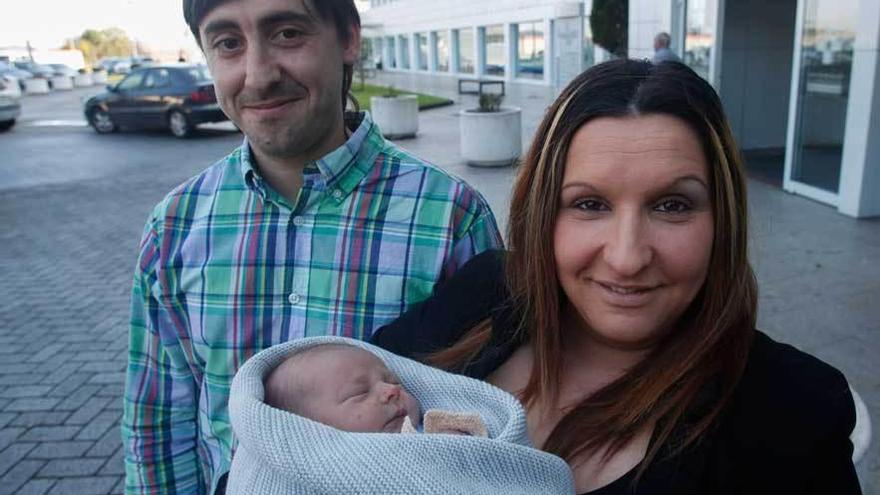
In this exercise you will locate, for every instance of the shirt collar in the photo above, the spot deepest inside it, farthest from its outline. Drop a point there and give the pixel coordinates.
(341, 169)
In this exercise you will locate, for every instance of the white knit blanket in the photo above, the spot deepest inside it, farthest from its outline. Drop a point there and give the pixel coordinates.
(282, 453)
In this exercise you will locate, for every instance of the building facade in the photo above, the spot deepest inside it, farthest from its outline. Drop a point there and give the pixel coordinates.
(800, 79)
(536, 42)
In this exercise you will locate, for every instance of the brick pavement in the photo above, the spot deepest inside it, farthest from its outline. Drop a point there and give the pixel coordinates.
(66, 265)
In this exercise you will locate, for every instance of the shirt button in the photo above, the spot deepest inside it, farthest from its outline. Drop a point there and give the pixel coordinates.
(293, 298)
(299, 221)
(337, 194)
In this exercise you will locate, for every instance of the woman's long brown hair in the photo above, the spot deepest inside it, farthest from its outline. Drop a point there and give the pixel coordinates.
(710, 345)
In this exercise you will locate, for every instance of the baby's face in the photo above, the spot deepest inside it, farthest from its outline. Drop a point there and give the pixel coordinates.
(352, 390)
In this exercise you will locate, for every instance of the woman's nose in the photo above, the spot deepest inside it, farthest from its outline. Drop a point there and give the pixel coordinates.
(627, 250)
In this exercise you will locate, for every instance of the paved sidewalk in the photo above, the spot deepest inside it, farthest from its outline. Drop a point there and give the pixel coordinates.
(69, 250)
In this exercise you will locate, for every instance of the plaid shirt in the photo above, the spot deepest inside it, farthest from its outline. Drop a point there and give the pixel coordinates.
(228, 267)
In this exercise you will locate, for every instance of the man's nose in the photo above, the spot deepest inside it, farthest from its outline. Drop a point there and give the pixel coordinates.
(262, 68)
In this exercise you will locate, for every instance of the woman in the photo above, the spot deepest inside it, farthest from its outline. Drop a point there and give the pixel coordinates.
(623, 316)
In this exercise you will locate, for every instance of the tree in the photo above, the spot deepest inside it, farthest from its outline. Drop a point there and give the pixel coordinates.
(97, 44)
(609, 22)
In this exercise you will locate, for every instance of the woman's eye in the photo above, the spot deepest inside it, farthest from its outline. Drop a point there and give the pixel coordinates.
(591, 205)
(673, 206)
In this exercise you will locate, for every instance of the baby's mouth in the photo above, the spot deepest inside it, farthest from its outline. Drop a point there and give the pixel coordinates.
(396, 422)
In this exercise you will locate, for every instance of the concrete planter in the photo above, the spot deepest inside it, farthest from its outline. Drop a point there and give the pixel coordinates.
(99, 77)
(36, 86)
(82, 80)
(397, 116)
(62, 83)
(491, 139)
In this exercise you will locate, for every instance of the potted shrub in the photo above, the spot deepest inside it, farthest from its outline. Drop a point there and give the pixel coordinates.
(396, 114)
(491, 135)
(36, 85)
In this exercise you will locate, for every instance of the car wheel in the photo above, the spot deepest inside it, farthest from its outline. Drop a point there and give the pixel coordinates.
(179, 124)
(6, 125)
(101, 121)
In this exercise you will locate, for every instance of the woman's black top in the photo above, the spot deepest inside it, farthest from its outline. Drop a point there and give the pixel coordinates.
(785, 429)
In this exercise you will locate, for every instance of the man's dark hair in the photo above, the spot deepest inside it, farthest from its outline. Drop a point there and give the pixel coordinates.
(342, 13)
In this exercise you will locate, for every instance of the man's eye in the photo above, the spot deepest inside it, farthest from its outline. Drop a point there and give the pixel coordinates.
(287, 34)
(673, 206)
(227, 44)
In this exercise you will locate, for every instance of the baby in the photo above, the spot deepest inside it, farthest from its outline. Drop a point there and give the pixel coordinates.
(313, 415)
(341, 386)
(351, 389)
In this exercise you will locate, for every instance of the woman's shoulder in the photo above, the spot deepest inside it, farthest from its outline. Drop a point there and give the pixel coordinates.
(473, 293)
(791, 396)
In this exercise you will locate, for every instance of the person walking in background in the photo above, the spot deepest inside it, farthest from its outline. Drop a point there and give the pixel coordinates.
(315, 225)
(662, 52)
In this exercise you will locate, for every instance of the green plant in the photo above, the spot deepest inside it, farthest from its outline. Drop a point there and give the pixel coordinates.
(390, 92)
(490, 102)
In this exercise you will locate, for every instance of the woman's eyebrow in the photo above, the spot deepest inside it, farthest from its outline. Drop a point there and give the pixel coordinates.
(689, 179)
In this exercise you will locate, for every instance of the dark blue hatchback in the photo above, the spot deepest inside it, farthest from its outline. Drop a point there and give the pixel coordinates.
(177, 97)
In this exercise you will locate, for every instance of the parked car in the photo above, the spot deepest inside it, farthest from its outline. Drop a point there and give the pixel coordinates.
(10, 70)
(138, 62)
(177, 97)
(106, 64)
(12, 85)
(121, 67)
(10, 105)
(115, 65)
(63, 70)
(38, 70)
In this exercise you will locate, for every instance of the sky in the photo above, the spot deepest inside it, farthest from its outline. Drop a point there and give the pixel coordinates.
(48, 23)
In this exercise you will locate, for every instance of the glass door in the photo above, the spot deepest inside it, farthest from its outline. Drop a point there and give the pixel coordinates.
(700, 38)
(820, 95)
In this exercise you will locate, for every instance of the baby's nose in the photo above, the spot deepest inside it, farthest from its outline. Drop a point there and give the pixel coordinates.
(390, 392)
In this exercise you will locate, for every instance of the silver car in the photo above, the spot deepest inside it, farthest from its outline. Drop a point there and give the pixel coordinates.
(10, 106)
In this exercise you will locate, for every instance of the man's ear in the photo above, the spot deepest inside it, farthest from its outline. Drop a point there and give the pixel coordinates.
(351, 49)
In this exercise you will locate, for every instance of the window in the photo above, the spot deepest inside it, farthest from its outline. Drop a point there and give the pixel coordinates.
(494, 50)
(133, 81)
(530, 50)
(700, 36)
(589, 49)
(404, 51)
(157, 78)
(442, 49)
(422, 44)
(392, 53)
(465, 50)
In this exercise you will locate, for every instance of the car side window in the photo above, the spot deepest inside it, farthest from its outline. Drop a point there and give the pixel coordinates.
(158, 78)
(133, 81)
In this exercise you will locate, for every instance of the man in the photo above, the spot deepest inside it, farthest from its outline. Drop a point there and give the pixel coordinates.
(315, 225)
(662, 53)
